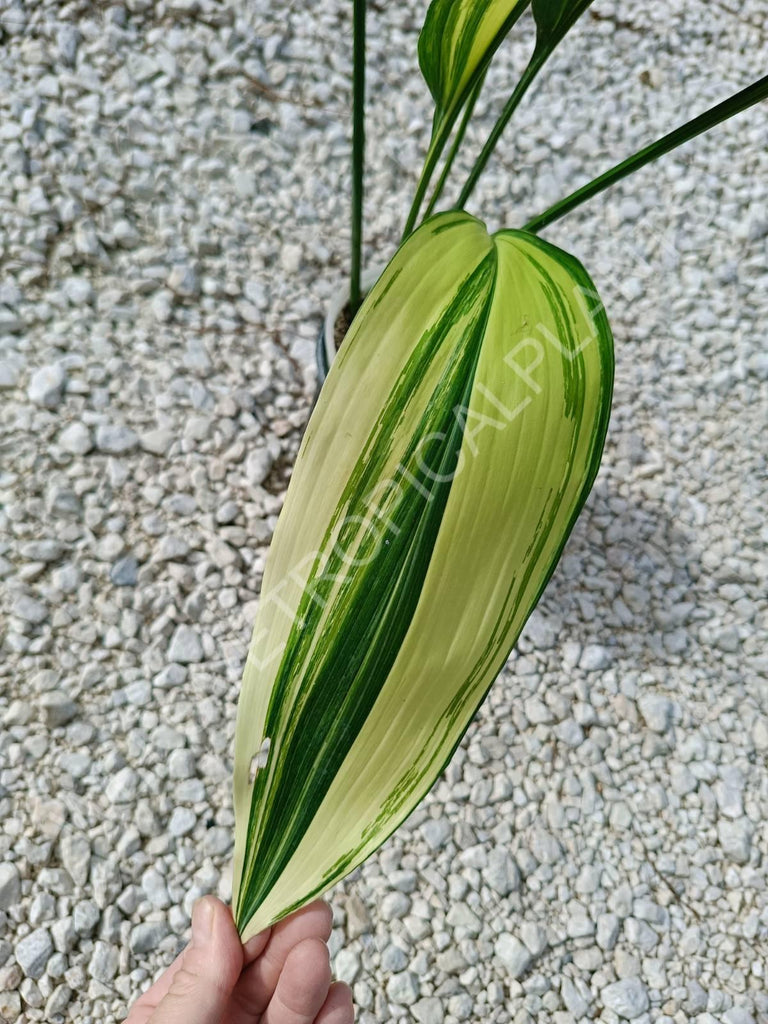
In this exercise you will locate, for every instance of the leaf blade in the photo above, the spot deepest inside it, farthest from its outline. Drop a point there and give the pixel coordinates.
(452, 647)
(457, 41)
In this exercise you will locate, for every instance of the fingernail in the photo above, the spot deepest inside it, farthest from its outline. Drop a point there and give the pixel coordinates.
(202, 921)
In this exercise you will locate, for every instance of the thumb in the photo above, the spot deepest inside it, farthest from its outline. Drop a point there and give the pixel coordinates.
(209, 969)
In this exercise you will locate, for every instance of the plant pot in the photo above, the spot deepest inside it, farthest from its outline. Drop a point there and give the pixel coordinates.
(327, 343)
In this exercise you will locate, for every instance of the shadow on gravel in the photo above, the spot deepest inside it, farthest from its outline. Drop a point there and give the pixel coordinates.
(628, 577)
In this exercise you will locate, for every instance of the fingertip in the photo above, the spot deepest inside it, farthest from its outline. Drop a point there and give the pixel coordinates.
(214, 932)
(338, 1007)
(255, 946)
(318, 914)
(307, 972)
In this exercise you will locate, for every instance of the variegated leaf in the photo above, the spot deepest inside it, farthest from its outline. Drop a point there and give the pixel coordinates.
(453, 445)
(457, 41)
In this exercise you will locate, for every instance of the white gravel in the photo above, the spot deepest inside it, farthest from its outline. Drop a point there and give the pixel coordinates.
(173, 217)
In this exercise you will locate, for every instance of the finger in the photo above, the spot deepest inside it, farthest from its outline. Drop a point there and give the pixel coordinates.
(338, 1007)
(201, 985)
(303, 985)
(258, 981)
(146, 1003)
(255, 946)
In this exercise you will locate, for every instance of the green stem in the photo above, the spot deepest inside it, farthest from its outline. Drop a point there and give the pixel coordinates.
(709, 119)
(358, 149)
(436, 147)
(535, 65)
(457, 141)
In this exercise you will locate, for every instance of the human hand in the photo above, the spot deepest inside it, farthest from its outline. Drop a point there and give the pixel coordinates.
(281, 976)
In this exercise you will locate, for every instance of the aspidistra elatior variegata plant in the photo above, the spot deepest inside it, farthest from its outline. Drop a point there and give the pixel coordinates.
(453, 445)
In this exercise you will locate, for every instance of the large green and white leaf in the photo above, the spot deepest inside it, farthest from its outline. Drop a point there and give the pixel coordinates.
(452, 447)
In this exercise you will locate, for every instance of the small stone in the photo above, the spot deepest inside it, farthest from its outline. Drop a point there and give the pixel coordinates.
(245, 183)
(186, 646)
(56, 709)
(227, 513)
(608, 927)
(33, 951)
(428, 1011)
(461, 1006)
(436, 832)
(656, 711)
(183, 280)
(30, 610)
(403, 988)
(358, 918)
(290, 258)
(738, 1015)
(19, 712)
(628, 998)
(735, 838)
(502, 873)
(147, 936)
(85, 917)
(514, 956)
(347, 966)
(171, 548)
(47, 550)
(9, 375)
(183, 820)
(115, 439)
(393, 959)
(258, 466)
(728, 792)
(58, 1001)
(574, 1001)
(157, 442)
(75, 852)
(46, 386)
(10, 1006)
(79, 291)
(125, 572)
(181, 763)
(534, 937)
(76, 439)
(104, 962)
(155, 889)
(760, 734)
(123, 786)
(67, 41)
(30, 993)
(594, 658)
(394, 905)
(10, 885)
(64, 935)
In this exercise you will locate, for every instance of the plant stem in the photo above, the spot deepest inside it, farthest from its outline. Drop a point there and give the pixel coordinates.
(436, 147)
(358, 149)
(457, 141)
(709, 119)
(510, 107)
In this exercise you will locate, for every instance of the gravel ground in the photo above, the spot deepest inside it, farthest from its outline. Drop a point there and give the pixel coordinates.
(173, 218)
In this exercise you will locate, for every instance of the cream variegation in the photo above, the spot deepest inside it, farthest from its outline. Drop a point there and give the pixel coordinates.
(457, 41)
(452, 447)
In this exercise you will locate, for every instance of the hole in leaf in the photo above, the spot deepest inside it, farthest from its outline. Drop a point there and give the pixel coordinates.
(259, 760)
